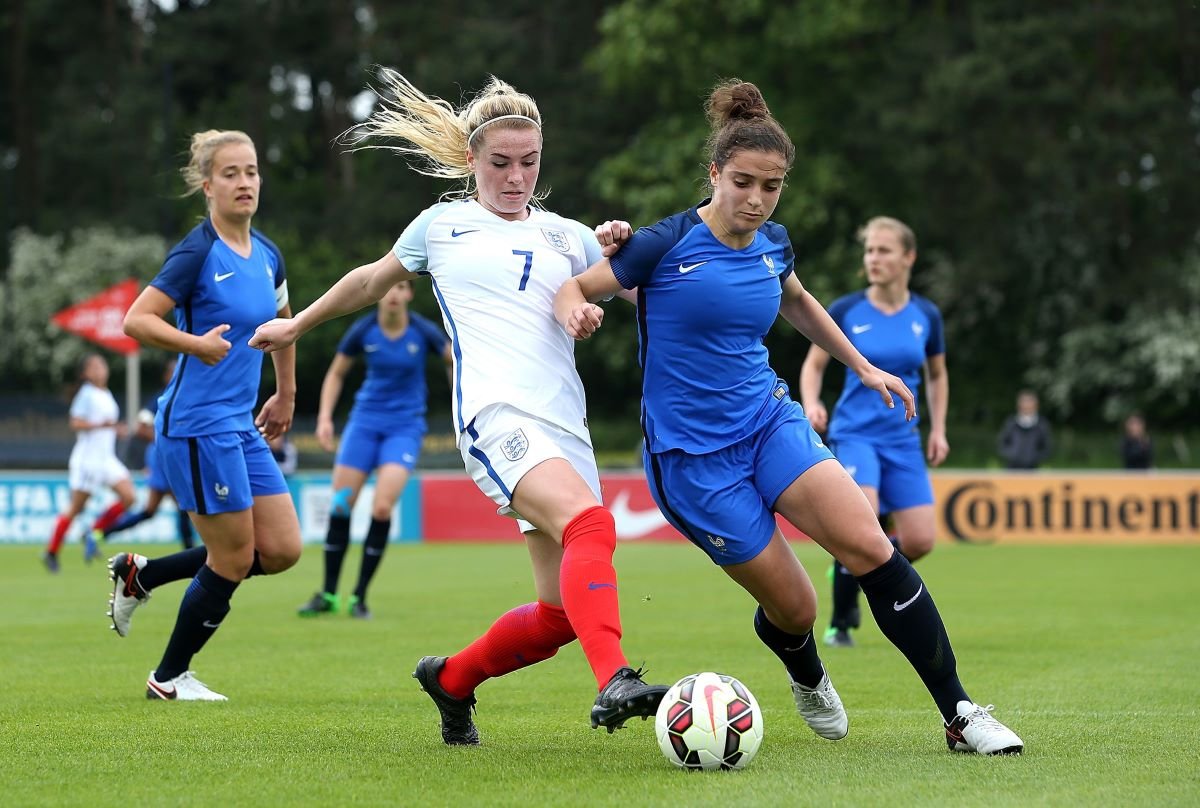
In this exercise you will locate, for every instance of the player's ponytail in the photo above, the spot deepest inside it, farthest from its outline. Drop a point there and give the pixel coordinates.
(432, 134)
(740, 120)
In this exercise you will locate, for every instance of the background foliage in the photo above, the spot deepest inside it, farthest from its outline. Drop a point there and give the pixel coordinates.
(1045, 154)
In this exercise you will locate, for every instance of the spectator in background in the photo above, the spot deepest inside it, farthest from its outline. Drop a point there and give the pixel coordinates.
(1137, 451)
(1024, 440)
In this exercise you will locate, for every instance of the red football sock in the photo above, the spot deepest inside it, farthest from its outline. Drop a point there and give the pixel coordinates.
(60, 533)
(105, 520)
(587, 583)
(519, 638)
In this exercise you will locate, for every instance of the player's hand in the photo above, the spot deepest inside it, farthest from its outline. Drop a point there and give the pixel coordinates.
(325, 435)
(938, 448)
(886, 384)
(612, 235)
(274, 335)
(584, 320)
(213, 346)
(818, 416)
(275, 417)
(122, 429)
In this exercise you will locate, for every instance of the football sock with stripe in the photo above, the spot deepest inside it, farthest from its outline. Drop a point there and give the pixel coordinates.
(373, 548)
(521, 637)
(588, 587)
(907, 615)
(337, 539)
(204, 606)
(798, 653)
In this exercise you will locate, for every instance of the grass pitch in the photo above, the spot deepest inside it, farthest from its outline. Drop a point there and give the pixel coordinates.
(1089, 653)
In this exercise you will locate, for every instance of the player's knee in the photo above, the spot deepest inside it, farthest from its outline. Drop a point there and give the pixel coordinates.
(595, 526)
(917, 545)
(381, 511)
(343, 501)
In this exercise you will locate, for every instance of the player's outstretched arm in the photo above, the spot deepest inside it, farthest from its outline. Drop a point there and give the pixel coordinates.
(809, 317)
(573, 305)
(358, 288)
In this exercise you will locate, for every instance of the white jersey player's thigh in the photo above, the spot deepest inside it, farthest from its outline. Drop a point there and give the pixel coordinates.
(503, 443)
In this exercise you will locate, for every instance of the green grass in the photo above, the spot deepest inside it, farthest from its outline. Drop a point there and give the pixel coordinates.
(1089, 653)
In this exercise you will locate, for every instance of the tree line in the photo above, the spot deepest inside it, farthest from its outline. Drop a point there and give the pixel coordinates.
(1045, 155)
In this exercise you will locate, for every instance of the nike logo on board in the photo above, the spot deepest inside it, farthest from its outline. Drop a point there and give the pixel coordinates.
(902, 606)
(633, 524)
(683, 270)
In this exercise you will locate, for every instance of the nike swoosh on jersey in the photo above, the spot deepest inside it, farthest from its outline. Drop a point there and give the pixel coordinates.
(858, 329)
(370, 348)
(633, 524)
(455, 233)
(219, 277)
(683, 270)
(902, 606)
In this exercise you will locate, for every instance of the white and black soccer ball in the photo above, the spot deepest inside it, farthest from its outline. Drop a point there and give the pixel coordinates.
(709, 721)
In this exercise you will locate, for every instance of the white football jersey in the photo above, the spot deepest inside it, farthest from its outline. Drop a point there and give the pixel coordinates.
(495, 282)
(95, 406)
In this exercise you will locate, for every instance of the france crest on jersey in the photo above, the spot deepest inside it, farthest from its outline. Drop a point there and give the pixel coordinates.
(703, 312)
(898, 343)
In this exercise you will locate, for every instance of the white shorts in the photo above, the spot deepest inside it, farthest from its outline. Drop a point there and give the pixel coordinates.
(503, 443)
(93, 475)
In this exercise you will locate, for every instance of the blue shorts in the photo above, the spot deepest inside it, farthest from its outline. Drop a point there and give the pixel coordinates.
(156, 476)
(723, 501)
(366, 447)
(219, 473)
(897, 471)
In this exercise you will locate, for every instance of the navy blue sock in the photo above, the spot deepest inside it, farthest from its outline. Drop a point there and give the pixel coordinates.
(337, 539)
(204, 606)
(907, 615)
(174, 567)
(373, 547)
(797, 653)
(846, 613)
(256, 567)
(126, 521)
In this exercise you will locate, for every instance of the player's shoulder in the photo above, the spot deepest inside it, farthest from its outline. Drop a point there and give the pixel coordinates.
(926, 305)
(845, 303)
(257, 235)
(196, 244)
(775, 232)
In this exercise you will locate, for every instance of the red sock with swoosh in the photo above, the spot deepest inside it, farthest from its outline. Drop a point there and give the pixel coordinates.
(60, 532)
(587, 583)
(519, 638)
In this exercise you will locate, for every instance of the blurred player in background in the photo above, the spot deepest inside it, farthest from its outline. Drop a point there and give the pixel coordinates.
(727, 447)
(383, 433)
(496, 259)
(156, 478)
(222, 280)
(93, 466)
(900, 332)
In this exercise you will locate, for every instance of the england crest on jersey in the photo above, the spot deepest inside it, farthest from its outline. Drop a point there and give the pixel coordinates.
(515, 445)
(557, 239)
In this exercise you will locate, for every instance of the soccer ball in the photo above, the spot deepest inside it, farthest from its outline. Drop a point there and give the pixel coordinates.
(709, 721)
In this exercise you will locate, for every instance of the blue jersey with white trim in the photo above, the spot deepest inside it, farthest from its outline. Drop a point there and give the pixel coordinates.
(898, 343)
(703, 312)
(394, 390)
(211, 285)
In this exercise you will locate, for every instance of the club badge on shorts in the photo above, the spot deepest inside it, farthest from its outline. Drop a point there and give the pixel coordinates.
(515, 445)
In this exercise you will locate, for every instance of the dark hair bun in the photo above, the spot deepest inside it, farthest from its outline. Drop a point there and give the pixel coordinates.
(735, 100)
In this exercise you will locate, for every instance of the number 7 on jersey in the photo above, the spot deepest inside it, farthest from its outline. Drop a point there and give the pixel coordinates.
(528, 265)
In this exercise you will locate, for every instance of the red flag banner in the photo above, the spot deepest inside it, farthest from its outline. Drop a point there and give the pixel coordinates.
(99, 319)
